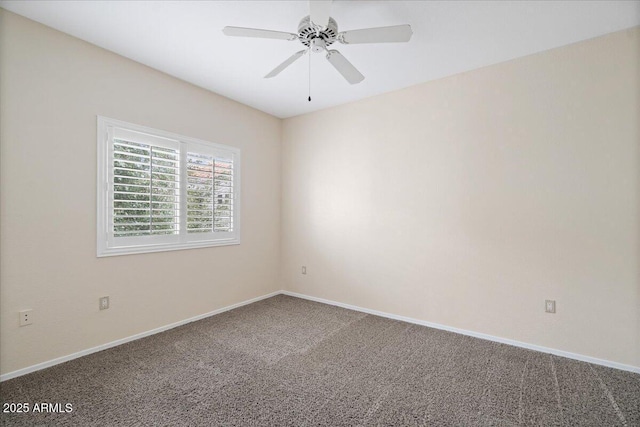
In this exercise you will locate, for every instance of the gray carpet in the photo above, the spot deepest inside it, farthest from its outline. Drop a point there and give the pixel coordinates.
(290, 362)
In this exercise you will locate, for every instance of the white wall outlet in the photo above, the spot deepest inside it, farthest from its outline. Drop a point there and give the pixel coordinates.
(550, 306)
(304, 270)
(26, 317)
(104, 303)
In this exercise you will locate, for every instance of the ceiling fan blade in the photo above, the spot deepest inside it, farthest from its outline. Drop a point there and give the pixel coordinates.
(293, 58)
(319, 11)
(255, 32)
(394, 34)
(344, 67)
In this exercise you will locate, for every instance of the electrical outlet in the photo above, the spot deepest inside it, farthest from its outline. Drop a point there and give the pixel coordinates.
(304, 270)
(550, 306)
(104, 303)
(26, 317)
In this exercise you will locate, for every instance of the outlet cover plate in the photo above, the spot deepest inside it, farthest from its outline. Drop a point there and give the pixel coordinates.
(25, 317)
(550, 306)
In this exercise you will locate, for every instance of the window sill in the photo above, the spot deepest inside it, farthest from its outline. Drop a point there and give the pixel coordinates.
(131, 250)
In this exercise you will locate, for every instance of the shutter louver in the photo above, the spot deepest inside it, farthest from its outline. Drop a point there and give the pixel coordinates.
(146, 189)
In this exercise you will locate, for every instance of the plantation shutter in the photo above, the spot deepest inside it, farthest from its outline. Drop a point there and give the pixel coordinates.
(210, 192)
(224, 195)
(160, 191)
(145, 179)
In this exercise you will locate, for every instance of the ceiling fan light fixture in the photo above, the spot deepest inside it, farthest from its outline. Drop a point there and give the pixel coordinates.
(318, 45)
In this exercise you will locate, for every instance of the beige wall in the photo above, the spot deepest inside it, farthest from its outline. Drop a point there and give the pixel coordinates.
(470, 200)
(52, 87)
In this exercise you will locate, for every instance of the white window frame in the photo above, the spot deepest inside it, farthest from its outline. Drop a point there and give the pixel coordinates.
(107, 244)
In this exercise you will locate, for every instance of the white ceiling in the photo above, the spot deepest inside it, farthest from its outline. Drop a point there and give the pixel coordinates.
(184, 39)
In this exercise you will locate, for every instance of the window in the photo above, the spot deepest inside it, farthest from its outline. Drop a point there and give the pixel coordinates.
(159, 191)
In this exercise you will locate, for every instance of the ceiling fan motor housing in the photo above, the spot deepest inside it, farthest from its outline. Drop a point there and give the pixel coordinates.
(318, 38)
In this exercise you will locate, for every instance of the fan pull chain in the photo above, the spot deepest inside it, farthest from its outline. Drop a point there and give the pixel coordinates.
(309, 74)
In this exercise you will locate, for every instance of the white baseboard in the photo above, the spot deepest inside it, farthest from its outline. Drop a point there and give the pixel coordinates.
(81, 353)
(101, 347)
(542, 349)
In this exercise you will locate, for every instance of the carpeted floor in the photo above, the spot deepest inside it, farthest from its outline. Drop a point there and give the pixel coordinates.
(288, 361)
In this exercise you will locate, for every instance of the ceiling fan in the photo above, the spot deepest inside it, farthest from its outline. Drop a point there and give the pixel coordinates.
(318, 31)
